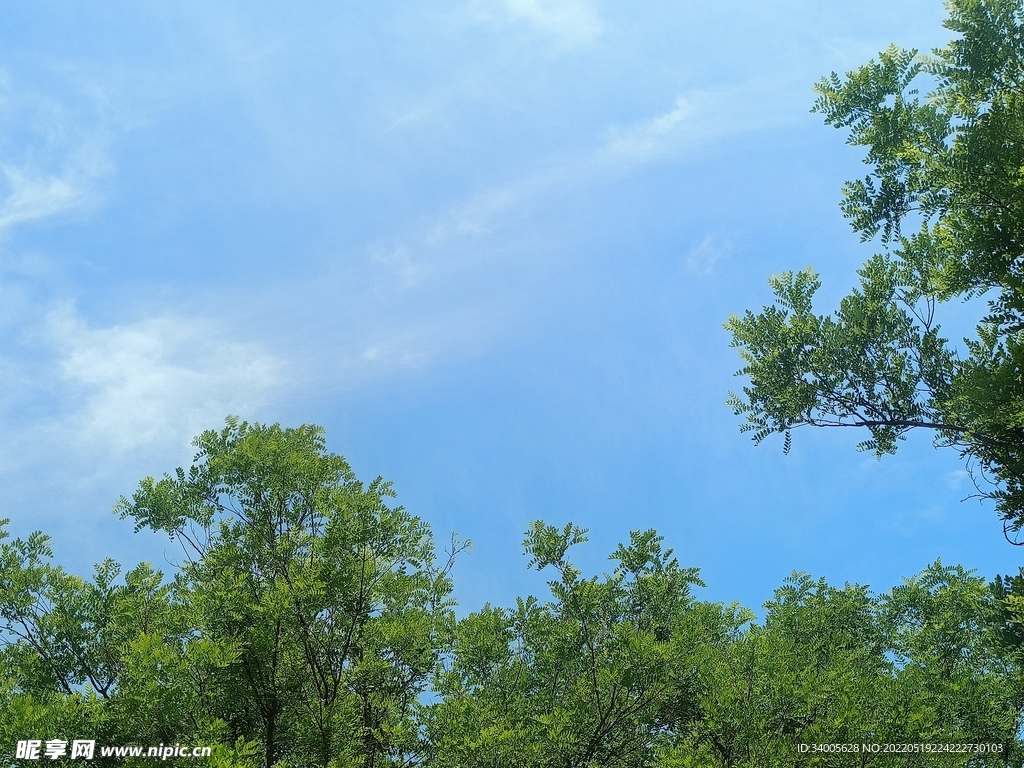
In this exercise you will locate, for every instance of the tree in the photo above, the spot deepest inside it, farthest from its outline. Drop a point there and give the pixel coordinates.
(629, 670)
(304, 624)
(110, 659)
(311, 625)
(957, 677)
(921, 664)
(599, 676)
(945, 193)
(329, 600)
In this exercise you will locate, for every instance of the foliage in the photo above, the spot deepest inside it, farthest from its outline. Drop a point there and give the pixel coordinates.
(306, 619)
(631, 670)
(310, 625)
(115, 662)
(328, 598)
(597, 676)
(948, 167)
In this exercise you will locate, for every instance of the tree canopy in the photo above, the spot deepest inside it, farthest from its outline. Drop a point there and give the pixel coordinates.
(311, 623)
(945, 197)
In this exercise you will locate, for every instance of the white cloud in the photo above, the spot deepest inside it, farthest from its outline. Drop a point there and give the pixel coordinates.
(478, 215)
(703, 257)
(440, 246)
(34, 195)
(910, 523)
(570, 23)
(694, 121)
(422, 282)
(57, 170)
(703, 117)
(397, 261)
(650, 139)
(956, 478)
(155, 382)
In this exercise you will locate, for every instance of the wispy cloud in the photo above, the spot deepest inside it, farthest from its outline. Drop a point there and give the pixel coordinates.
(651, 138)
(454, 282)
(58, 169)
(703, 257)
(33, 194)
(481, 212)
(910, 523)
(440, 266)
(154, 382)
(694, 121)
(704, 117)
(956, 478)
(441, 245)
(570, 23)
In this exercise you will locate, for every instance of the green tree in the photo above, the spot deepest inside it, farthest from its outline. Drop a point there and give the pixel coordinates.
(945, 193)
(598, 676)
(109, 659)
(957, 678)
(812, 673)
(311, 625)
(629, 670)
(329, 600)
(301, 630)
(922, 664)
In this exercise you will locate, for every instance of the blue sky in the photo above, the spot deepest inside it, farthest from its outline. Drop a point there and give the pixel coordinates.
(488, 244)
